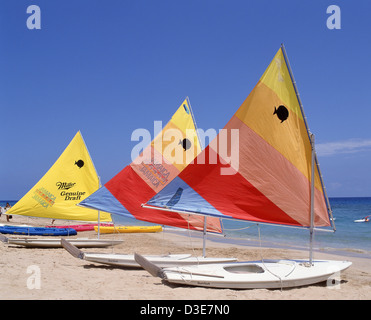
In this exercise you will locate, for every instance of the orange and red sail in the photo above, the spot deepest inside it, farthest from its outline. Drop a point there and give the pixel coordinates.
(270, 181)
(159, 163)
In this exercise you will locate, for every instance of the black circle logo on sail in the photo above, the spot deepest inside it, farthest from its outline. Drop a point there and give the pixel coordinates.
(79, 163)
(186, 144)
(281, 112)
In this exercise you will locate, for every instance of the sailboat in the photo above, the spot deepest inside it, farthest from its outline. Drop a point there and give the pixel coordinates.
(71, 179)
(274, 179)
(160, 162)
(365, 219)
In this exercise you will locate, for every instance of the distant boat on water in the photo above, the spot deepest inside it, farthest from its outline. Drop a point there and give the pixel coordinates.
(365, 219)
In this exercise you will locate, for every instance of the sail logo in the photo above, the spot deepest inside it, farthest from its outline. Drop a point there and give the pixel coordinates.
(76, 195)
(156, 173)
(225, 143)
(44, 197)
(79, 163)
(65, 185)
(186, 143)
(72, 195)
(281, 112)
(175, 198)
(186, 109)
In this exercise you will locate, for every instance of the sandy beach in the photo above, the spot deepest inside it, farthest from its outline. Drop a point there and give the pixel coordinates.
(64, 277)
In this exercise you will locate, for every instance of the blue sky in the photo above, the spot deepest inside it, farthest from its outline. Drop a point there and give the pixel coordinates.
(109, 67)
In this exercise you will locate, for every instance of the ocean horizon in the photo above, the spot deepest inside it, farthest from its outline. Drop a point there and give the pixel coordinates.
(350, 238)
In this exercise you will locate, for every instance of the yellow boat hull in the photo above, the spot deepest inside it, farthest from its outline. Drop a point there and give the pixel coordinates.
(128, 229)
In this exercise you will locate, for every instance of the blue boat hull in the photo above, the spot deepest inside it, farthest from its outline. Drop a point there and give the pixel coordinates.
(35, 231)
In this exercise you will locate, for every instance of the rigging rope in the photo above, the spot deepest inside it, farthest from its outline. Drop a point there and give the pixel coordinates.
(261, 257)
(190, 240)
(238, 228)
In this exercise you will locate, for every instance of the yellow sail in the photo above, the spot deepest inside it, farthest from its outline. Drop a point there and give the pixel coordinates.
(70, 180)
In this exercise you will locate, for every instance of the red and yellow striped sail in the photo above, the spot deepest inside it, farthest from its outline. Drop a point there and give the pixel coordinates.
(271, 179)
(160, 162)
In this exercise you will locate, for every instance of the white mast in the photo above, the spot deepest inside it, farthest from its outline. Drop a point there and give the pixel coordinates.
(313, 164)
(311, 229)
(205, 218)
(99, 184)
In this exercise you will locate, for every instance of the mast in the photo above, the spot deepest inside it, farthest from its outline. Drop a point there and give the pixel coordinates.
(311, 229)
(309, 134)
(313, 164)
(199, 142)
(204, 239)
(194, 121)
(99, 184)
(311, 138)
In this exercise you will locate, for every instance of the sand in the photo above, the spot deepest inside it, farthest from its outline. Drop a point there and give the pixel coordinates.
(64, 277)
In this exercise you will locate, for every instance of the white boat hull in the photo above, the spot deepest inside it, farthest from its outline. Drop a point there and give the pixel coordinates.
(251, 275)
(128, 260)
(56, 242)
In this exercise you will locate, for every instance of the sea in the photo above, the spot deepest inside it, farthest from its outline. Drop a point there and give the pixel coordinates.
(350, 238)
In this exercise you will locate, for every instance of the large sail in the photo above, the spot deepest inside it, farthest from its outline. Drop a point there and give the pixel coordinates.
(267, 174)
(160, 162)
(70, 180)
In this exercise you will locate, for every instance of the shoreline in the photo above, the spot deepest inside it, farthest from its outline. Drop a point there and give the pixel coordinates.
(64, 277)
(236, 241)
(297, 252)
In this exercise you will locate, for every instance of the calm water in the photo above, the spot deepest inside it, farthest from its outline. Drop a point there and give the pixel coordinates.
(350, 237)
